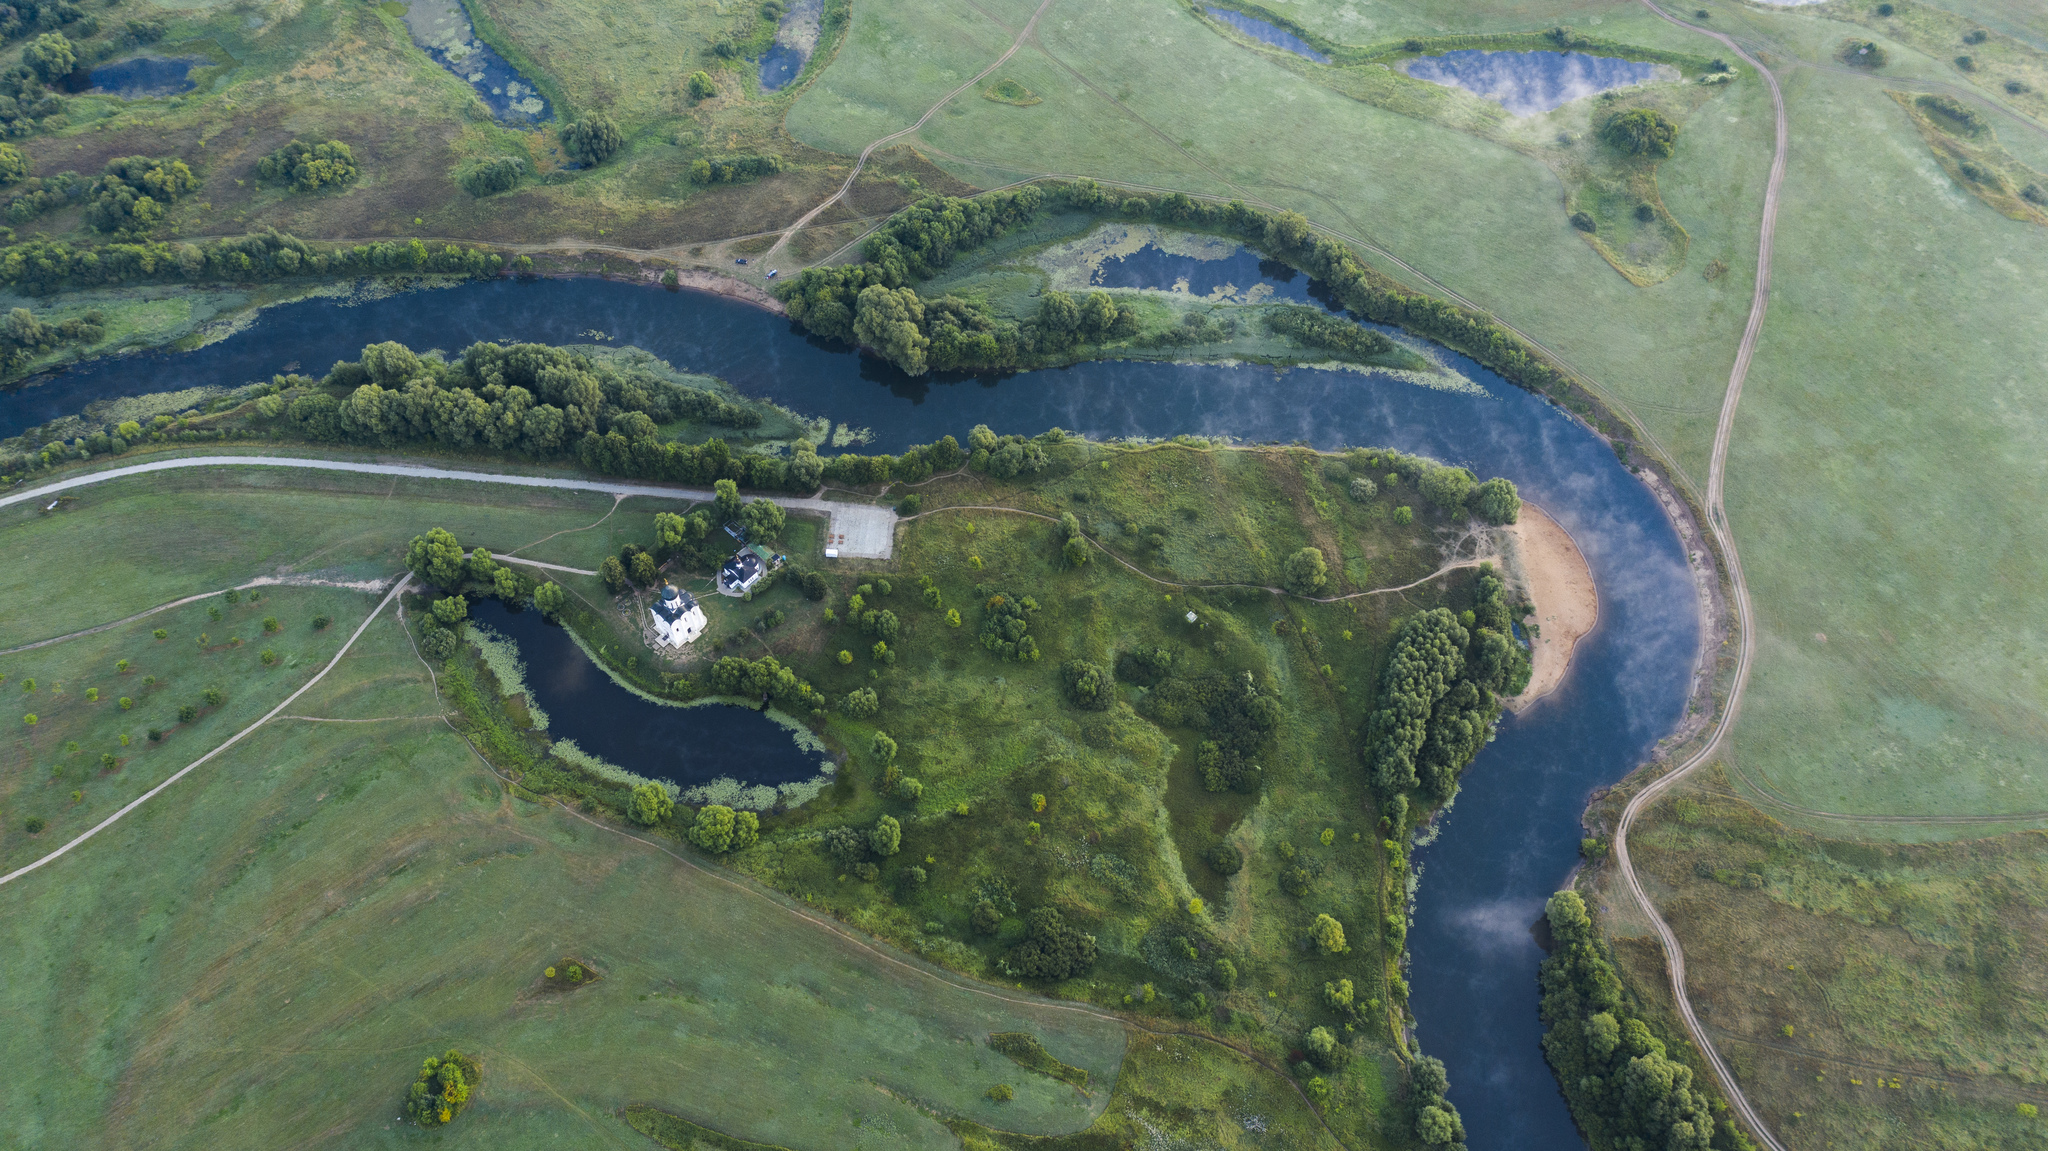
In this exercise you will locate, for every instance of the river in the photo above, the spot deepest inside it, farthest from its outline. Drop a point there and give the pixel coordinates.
(1512, 837)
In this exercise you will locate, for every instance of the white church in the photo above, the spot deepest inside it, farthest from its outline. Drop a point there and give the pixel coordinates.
(678, 619)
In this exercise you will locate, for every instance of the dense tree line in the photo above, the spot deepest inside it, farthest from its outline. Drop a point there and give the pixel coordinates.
(1237, 717)
(1440, 693)
(764, 678)
(308, 166)
(28, 17)
(1309, 326)
(1625, 1092)
(926, 237)
(734, 169)
(45, 266)
(23, 336)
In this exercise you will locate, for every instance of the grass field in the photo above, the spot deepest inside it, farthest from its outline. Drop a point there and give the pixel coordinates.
(1866, 995)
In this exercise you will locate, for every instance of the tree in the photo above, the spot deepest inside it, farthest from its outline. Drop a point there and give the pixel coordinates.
(764, 519)
(51, 57)
(306, 166)
(910, 789)
(861, 702)
(726, 498)
(450, 611)
(720, 829)
(882, 748)
(651, 804)
(613, 573)
(592, 140)
(1088, 684)
(443, 1086)
(1052, 949)
(1225, 974)
(132, 194)
(1075, 550)
(644, 572)
(1306, 573)
(891, 322)
(480, 566)
(701, 87)
(886, 839)
(549, 598)
(1438, 1126)
(14, 169)
(1642, 132)
(1447, 488)
(1496, 501)
(1340, 996)
(508, 585)
(437, 558)
(1321, 1047)
(1329, 935)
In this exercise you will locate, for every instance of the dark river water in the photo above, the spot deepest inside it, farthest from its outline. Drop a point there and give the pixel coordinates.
(1513, 835)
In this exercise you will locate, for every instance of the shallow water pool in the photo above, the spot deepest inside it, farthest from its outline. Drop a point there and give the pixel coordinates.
(1526, 83)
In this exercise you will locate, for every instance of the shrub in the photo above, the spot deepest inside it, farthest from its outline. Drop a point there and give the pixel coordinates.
(1641, 132)
(651, 804)
(1363, 489)
(861, 702)
(1584, 223)
(592, 140)
(126, 703)
(1306, 572)
(1329, 935)
(1088, 684)
(1322, 1048)
(701, 86)
(443, 1086)
(156, 734)
(720, 829)
(1966, 64)
(886, 838)
(734, 169)
(187, 712)
(1223, 859)
(34, 825)
(213, 697)
(305, 166)
(160, 633)
(491, 176)
(1404, 516)
(1645, 213)
(320, 622)
(1002, 1093)
(1884, 9)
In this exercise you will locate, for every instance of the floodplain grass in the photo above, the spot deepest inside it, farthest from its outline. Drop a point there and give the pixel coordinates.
(305, 889)
(1865, 994)
(63, 753)
(1976, 161)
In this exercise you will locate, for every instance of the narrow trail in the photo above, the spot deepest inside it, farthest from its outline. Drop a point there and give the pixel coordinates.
(232, 740)
(1761, 790)
(804, 220)
(259, 582)
(1717, 522)
(1439, 573)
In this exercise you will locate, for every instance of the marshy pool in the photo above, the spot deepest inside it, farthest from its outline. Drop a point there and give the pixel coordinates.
(1527, 83)
(143, 77)
(442, 30)
(796, 37)
(1267, 33)
(724, 750)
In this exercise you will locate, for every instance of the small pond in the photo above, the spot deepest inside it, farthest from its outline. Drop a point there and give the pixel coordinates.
(691, 747)
(1526, 83)
(442, 30)
(1266, 33)
(1242, 277)
(796, 37)
(141, 77)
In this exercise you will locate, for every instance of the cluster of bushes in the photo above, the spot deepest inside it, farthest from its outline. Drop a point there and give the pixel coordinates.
(23, 337)
(1310, 326)
(1437, 1122)
(926, 237)
(720, 829)
(307, 166)
(490, 177)
(1052, 949)
(46, 266)
(1641, 132)
(764, 678)
(1440, 694)
(1623, 1089)
(1006, 623)
(591, 140)
(850, 847)
(35, 196)
(734, 169)
(443, 1086)
(1952, 110)
(1236, 716)
(133, 194)
(1194, 328)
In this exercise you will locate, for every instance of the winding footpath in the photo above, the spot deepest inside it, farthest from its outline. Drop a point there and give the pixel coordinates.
(790, 233)
(867, 531)
(189, 768)
(1745, 621)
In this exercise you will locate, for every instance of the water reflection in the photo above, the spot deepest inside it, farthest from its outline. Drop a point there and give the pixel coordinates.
(442, 30)
(1526, 83)
(145, 76)
(796, 37)
(1266, 33)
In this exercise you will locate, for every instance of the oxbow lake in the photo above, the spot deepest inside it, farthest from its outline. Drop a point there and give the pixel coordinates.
(1512, 837)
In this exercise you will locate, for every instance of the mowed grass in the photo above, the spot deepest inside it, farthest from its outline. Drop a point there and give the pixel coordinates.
(61, 756)
(1866, 995)
(1884, 483)
(160, 537)
(263, 955)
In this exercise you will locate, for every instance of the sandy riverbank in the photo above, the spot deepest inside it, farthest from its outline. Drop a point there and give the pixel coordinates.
(1543, 560)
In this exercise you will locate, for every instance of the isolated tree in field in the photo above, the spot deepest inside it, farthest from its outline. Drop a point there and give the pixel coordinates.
(1306, 573)
(51, 57)
(549, 598)
(726, 498)
(651, 804)
(592, 140)
(861, 702)
(701, 86)
(886, 838)
(443, 1086)
(644, 572)
(1496, 501)
(437, 558)
(1088, 684)
(1642, 132)
(1329, 935)
(764, 519)
(613, 573)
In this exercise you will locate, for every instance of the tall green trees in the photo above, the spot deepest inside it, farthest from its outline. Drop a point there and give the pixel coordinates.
(592, 140)
(437, 558)
(720, 829)
(1306, 572)
(307, 166)
(651, 803)
(890, 321)
(441, 1089)
(1642, 132)
(51, 57)
(764, 520)
(1496, 501)
(550, 598)
(1624, 1090)
(1074, 551)
(726, 498)
(134, 192)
